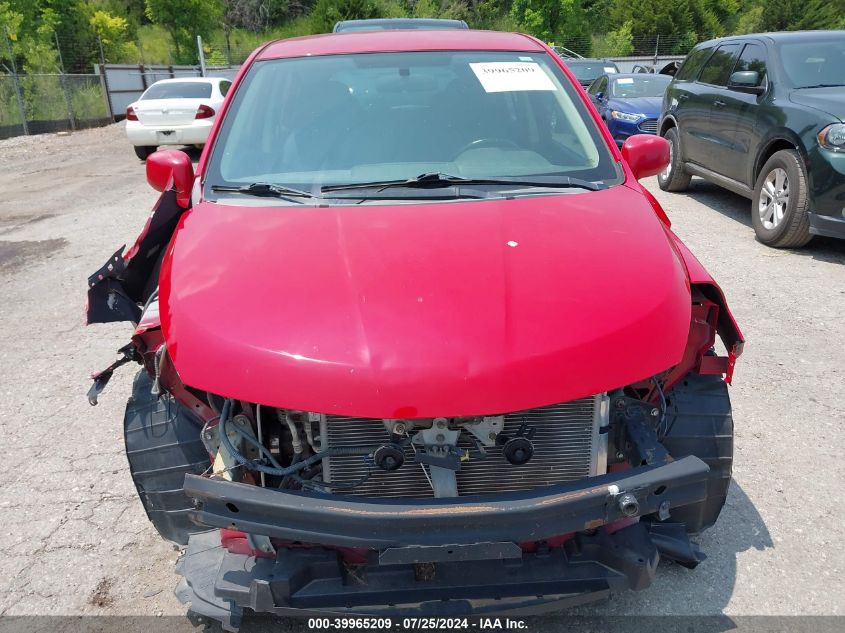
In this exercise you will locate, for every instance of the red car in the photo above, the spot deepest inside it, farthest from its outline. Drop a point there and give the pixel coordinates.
(414, 341)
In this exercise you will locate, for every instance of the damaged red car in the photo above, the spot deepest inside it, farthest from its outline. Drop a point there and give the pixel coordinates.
(415, 341)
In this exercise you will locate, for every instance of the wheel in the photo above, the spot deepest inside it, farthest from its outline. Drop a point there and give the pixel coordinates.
(674, 177)
(780, 211)
(142, 151)
(700, 423)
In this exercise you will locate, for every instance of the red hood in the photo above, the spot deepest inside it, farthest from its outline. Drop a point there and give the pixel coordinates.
(424, 310)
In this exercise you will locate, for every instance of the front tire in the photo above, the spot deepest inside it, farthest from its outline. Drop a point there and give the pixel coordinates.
(674, 177)
(780, 212)
(143, 151)
(700, 423)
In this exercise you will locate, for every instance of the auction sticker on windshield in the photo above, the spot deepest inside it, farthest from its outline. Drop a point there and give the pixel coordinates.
(511, 76)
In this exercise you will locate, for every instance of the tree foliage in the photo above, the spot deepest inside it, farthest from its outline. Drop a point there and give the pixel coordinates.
(164, 31)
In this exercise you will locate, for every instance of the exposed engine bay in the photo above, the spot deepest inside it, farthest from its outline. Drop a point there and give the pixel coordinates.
(441, 457)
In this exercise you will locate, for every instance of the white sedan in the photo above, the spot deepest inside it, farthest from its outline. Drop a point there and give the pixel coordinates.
(174, 112)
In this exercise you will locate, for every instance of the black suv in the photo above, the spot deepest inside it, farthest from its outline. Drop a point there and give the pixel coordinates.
(762, 115)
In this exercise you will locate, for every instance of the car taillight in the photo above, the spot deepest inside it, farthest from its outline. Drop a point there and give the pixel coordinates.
(204, 112)
(130, 114)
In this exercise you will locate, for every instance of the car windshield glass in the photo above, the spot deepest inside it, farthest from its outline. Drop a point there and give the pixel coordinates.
(817, 63)
(644, 86)
(314, 122)
(590, 70)
(179, 90)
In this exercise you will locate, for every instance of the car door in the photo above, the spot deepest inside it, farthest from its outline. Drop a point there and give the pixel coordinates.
(714, 123)
(683, 103)
(734, 123)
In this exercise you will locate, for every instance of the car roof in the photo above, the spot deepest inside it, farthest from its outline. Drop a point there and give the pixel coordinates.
(778, 37)
(398, 23)
(636, 75)
(399, 41)
(190, 80)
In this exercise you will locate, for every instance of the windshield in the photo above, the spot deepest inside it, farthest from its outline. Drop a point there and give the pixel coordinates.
(817, 63)
(179, 90)
(590, 70)
(309, 123)
(644, 86)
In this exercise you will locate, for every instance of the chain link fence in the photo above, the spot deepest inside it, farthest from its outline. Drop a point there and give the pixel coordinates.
(37, 104)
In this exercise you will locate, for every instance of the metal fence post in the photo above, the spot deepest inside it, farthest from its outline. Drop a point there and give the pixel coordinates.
(17, 83)
(104, 82)
(201, 56)
(65, 89)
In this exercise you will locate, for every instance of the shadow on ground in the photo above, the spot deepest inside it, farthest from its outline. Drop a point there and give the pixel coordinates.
(738, 208)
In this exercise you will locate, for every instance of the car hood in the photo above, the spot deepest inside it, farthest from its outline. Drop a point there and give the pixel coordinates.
(649, 106)
(830, 100)
(424, 310)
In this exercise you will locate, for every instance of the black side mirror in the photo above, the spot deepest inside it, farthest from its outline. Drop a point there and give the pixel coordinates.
(746, 81)
(599, 96)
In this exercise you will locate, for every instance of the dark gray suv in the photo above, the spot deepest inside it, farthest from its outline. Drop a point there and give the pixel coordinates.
(763, 115)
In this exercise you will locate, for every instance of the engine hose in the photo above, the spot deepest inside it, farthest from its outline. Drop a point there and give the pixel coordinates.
(341, 451)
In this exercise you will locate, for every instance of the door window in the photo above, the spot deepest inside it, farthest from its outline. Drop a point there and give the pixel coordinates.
(599, 85)
(753, 58)
(689, 70)
(718, 68)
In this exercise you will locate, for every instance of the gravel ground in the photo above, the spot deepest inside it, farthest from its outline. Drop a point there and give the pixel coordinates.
(77, 541)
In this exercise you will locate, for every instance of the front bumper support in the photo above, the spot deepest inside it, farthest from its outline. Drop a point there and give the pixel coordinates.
(220, 584)
(344, 521)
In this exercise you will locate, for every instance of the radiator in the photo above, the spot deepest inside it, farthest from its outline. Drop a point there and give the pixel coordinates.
(567, 447)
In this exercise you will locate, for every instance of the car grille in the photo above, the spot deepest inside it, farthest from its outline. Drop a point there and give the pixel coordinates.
(567, 446)
(649, 126)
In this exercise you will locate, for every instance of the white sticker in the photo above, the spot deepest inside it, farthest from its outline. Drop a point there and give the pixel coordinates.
(625, 80)
(511, 76)
(609, 69)
(526, 59)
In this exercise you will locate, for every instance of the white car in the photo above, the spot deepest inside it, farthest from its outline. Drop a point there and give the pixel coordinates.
(174, 112)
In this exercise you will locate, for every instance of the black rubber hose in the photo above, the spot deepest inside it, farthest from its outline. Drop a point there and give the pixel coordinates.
(341, 451)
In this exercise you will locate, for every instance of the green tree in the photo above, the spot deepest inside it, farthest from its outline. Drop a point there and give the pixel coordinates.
(792, 15)
(617, 43)
(184, 20)
(111, 30)
(327, 12)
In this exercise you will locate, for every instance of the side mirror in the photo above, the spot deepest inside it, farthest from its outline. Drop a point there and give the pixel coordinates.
(646, 154)
(599, 96)
(171, 168)
(746, 81)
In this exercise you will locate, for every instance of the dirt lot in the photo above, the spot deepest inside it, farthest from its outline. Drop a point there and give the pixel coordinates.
(76, 539)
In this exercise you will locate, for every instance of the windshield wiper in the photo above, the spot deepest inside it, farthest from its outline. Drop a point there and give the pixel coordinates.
(264, 189)
(436, 179)
(821, 86)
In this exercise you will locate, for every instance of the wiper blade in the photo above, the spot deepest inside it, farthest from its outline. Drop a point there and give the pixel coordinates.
(822, 86)
(437, 179)
(264, 189)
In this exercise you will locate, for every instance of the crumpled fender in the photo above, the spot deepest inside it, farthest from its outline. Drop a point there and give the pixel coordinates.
(726, 325)
(117, 291)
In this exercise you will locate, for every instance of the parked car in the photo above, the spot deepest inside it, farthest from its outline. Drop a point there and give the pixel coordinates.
(381, 24)
(586, 71)
(629, 103)
(669, 68)
(174, 112)
(762, 115)
(404, 352)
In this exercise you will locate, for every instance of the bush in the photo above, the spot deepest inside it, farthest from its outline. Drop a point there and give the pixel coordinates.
(88, 101)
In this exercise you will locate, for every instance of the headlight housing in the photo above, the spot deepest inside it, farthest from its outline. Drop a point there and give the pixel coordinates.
(624, 116)
(833, 137)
